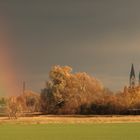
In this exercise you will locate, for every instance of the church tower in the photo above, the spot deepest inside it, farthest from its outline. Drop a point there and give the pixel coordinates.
(132, 77)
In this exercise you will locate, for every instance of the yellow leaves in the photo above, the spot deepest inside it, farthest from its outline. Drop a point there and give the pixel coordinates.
(74, 89)
(130, 98)
(58, 72)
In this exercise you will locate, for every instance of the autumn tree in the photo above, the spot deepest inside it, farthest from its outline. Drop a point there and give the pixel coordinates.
(66, 91)
(13, 107)
(32, 101)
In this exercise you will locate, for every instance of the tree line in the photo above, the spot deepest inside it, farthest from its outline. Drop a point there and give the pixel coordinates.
(73, 93)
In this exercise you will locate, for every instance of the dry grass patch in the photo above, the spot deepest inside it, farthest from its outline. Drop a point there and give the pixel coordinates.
(70, 119)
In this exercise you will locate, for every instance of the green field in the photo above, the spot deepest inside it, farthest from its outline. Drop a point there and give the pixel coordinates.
(130, 131)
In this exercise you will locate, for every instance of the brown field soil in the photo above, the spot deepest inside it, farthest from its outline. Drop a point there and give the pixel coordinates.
(48, 119)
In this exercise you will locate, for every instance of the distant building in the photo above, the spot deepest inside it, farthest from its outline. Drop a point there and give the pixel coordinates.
(132, 77)
(134, 87)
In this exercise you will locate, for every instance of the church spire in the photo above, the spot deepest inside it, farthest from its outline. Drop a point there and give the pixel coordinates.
(132, 77)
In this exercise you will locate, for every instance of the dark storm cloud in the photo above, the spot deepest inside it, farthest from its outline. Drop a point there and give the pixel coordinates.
(100, 37)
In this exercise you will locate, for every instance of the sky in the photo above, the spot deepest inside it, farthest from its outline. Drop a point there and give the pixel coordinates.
(100, 37)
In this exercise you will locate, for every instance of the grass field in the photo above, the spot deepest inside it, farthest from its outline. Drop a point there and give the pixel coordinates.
(111, 131)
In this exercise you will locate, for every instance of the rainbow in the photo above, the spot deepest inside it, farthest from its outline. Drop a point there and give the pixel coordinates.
(7, 72)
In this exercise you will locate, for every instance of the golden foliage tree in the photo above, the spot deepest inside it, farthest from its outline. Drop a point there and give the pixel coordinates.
(68, 91)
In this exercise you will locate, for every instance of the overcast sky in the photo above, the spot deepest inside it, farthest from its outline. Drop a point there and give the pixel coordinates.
(100, 37)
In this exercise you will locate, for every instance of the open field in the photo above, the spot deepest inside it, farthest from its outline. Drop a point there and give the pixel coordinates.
(71, 128)
(112, 131)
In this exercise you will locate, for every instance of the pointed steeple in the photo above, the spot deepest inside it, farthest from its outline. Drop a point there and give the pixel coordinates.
(132, 77)
(132, 73)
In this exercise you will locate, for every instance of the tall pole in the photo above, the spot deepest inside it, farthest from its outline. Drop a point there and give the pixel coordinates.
(24, 87)
(139, 78)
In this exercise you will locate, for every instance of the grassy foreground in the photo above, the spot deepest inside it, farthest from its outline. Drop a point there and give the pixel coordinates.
(118, 131)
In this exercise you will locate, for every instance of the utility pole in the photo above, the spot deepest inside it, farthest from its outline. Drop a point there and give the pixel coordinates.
(24, 87)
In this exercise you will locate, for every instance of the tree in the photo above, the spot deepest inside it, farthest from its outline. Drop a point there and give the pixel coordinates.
(66, 92)
(13, 108)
